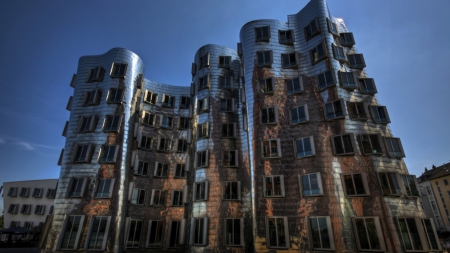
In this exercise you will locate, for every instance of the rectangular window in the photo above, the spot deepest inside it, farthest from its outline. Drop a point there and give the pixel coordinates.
(225, 82)
(277, 232)
(274, 186)
(77, 186)
(200, 192)
(109, 154)
(357, 111)
(332, 27)
(343, 144)
(14, 224)
(294, 86)
(182, 146)
(71, 232)
(224, 61)
(161, 169)
(227, 105)
(115, 96)
(269, 115)
(92, 98)
(326, 79)
(445, 181)
(380, 114)
(347, 39)
(83, 153)
(318, 53)
(229, 158)
(95, 75)
(26, 209)
(24, 192)
(12, 192)
(203, 130)
(410, 233)
(338, 53)
(347, 80)
(286, 37)
(155, 234)
(138, 197)
(39, 210)
(141, 168)
(271, 148)
(201, 160)
(183, 123)
(37, 192)
(204, 61)
(228, 130)
(180, 171)
(51, 193)
(87, 124)
(368, 234)
(199, 231)
(97, 233)
(28, 225)
(304, 147)
(371, 144)
(265, 58)
(394, 147)
(367, 86)
(411, 185)
(299, 114)
(51, 210)
(431, 235)
(150, 97)
(185, 102)
(166, 122)
(262, 33)
(355, 184)
(335, 109)
(289, 60)
(312, 29)
(112, 123)
(320, 233)
(104, 188)
(133, 236)
(204, 82)
(13, 208)
(267, 85)
(158, 198)
(389, 183)
(148, 118)
(177, 198)
(119, 70)
(146, 142)
(234, 232)
(176, 233)
(310, 185)
(203, 105)
(168, 101)
(356, 61)
(232, 190)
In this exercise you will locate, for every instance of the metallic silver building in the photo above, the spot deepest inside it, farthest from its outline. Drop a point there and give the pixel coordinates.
(280, 145)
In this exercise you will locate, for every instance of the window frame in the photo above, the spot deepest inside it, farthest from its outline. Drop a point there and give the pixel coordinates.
(289, 57)
(306, 112)
(37, 192)
(266, 62)
(26, 209)
(78, 235)
(264, 37)
(319, 184)
(238, 190)
(141, 165)
(137, 196)
(389, 176)
(421, 233)
(353, 61)
(105, 151)
(202, 231)
(269, 120)
(364, 184)
(51, 193)
(263, 85)
(13, 208)
(201, 105)
(332, 29)
(204, 61)
(108, 123)
(282, 192)
(161, 170)
(357, 106)
(203, 130)
(353, 143)
(81, 186)
(230, 154)
(168, 101)
(309, 31)
(407, 189)
(150, 97)
(229, 105)
(186, 103)
(225, 134)
(148, 118)
(88, 154)
(179, 239)
(12, 191)
(117, 71)
(109, 190)
(388, 146)
(380, 144)
(379, 232)
(291, 82)
(181, 199)
(182, 145)
(39, 210)
(334, 115)
(346, 39)
(204, 82)
(139, 224)
(158, 198)
(326, 78)
(286, 232)
(95, 75)
(316, 56)
(184, 123)
(95, 95)
(278, 154)
(226, 82)
(345, 79)
(329, 230)
(113, 97)
(197, 193)
(90, 231)
(222, 62)
(286, 41)
(158, 234)
(376, 114)
(365, 90)
(24, 192)
(163, 118)
(311, 142)
(202, 153)
(87, 124)
(145, 142)
(339, 53)
(182, 167)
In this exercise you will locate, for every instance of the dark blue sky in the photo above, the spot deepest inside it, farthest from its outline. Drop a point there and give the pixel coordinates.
(404, 42)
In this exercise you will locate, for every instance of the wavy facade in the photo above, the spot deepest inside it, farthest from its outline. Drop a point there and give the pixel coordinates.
(280, 145)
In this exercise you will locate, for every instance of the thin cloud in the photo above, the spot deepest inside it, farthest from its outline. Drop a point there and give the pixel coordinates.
(24, 145)
(2, 141)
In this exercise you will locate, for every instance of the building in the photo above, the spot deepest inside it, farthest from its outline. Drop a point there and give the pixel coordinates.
(28, 203)
(435, 188)
(278, 145)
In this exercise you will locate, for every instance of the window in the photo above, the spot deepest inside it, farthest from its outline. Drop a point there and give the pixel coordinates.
(13, 208)
(183, 123)
(148, 118)
(112, 123)
(357, 111)
(234, 232)
(411, 185)
(141, 168)
(185, 102)
(299, 114)
(158, 198)
(138, 197)
(338, 53)
(180, 171)
(155, 234)
(332, 27)
(326, 79)
(177, 198)
(119, 70)
(310, 185)
(71, 232)
(12, 192)
(88, 124)
(26, 209)
(262, 33)
(161, 169)
(182, 146)
(380, 114)
(277, 232)
(232, 190)
(445, 181)
(347, 80)
(227, 105)
(274, 186)
(318, 53)
(294, 86)
(285, 37)
(166, 122)
(204, 82)
(410, 233)
(269, 115)
(356, 61)
(51, 210)
(115, 96)
(104, 188)
(304, 147)
(228, 130)
(199, 231)
(51, 193)
(92, 98)
(267, 85)
(200, 191)
(176, 233)
(201, 160)
(389, 183)
(95, 75)
(431, 235)
(76, 188)
(225, 82)
(368, 233)
(14, 224)
(203, 105)
(204, 61)
(229, 158)
(83, 153)
(24, 192)
(150, 97)
(168, 101)
(371, 144)
(355, 184)
(343, 144)
(367, 86)
(203, 130)
(320, 232)
(28, 225)
(98, 233)
(146, 142)
(312, 29)
(109, 154)
(224, 61)
(265, 58)
(347, 39)
(271, 148)
(394, 146)
(37, 192)
(289, 60)
(134, 228)
(335, 109)
(40, 209)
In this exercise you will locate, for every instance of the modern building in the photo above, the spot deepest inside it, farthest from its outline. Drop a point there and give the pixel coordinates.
(435, 188)
(280, 145)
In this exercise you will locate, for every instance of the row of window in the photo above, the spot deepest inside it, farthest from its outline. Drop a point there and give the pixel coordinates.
(205, 62)
(164, 121)
(225, 82)
(87, 124)
(27, 224)
(92, 98)
(142, 168)
(140, 196)
(77, 186)
(163, 144)
(25, 192)
(117, 70)
(151, 97)
(26, 209)
(83, 153)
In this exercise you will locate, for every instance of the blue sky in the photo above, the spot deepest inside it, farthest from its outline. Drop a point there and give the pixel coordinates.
(404, 42)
